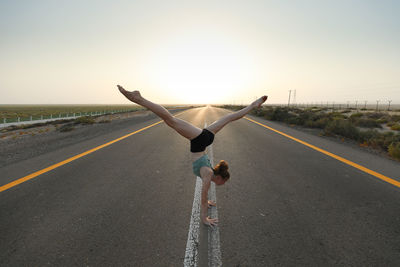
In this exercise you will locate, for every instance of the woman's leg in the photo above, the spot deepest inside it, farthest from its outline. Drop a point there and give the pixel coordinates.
(219, 124)
(184, 128)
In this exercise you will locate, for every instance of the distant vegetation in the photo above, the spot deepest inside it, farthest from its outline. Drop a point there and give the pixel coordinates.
(379, 130)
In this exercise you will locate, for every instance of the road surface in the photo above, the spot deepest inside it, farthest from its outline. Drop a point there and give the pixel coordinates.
(130, 203)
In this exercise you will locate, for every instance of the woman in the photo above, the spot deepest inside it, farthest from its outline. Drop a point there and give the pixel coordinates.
(199, 140)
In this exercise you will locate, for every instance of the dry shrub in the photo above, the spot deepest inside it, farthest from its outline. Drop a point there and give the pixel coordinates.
(84, 120)
(394, 150)
(395, 127)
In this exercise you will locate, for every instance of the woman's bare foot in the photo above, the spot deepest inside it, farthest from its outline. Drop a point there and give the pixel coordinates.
(133, 96)
(259, 101)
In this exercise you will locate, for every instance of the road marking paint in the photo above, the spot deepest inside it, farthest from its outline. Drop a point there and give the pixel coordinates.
(193, 241)
(192, 244)
(52, 167)
(214, 249)
(346, 161)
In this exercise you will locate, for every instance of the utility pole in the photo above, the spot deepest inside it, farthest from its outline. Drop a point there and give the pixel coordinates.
(356, 104)
(294, 98)
(389, 104)
(365, 104)
(377, 105)
(348, 104)
(290, 92)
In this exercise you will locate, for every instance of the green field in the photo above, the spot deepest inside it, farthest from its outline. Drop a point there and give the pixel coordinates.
(25, 112)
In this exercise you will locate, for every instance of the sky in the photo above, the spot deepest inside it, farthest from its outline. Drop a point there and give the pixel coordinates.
(192, 52)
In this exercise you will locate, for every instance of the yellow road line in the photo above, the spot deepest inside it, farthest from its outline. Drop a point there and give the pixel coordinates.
(346, 161)
(52, 167)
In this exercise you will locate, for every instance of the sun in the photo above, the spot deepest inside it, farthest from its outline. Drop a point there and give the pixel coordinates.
(201, 70)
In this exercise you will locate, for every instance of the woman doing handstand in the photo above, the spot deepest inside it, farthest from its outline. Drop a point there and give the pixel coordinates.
(199, 140)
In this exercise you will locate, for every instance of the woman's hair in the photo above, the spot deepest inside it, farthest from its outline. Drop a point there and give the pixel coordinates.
(222, 169)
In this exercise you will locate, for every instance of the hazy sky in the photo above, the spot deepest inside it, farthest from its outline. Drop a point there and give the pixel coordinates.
(199, 51)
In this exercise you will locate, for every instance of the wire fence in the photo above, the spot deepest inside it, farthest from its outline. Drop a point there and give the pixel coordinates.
(59, 116)
(378, 106)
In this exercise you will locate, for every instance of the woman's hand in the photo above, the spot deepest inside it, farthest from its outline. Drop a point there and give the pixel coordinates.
(210, 222)
(211, 203)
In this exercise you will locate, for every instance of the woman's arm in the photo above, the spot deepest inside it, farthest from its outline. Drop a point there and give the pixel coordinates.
(206, 177)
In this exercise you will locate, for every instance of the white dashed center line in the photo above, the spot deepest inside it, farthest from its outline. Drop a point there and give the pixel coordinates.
(193, 241)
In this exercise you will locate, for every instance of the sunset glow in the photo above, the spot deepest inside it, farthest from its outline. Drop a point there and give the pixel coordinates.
(205, 69)
(187, 52)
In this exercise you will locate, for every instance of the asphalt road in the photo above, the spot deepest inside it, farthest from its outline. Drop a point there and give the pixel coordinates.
(129, 204)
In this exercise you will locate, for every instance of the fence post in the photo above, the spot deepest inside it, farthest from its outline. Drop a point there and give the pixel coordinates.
(18, 119)
(41, 117)
(31, 117)
(4, 120)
